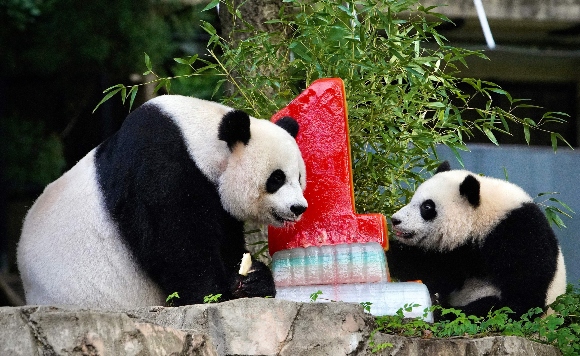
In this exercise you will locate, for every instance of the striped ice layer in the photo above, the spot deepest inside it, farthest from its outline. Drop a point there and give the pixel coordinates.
(343, 263)
(385, 298)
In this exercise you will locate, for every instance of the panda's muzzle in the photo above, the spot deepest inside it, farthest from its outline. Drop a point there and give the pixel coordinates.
(297, 211)
(403, 235)
(400, 233)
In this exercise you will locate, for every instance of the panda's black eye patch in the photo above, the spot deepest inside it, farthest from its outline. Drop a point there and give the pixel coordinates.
(428, 211)
(275, 181)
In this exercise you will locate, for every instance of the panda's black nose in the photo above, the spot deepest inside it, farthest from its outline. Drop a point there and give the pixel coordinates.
(395, 221)
(297, 209)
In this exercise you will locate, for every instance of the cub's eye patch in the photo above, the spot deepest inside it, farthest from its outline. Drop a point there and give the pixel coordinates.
(427, 209)
(275, 181)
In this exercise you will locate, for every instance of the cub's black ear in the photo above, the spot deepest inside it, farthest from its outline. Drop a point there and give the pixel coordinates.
(469, 188)
(289, 124)
(443, 167)
(234, 128)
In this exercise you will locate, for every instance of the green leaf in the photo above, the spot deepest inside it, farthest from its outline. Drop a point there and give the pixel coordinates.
(113, 87)
(490, 135)
(133, 94)
(314, 296)
(192, 59)
(208, 28)
(107, 97)
(172, 296)
(435, 105)
(159, 86)
(211, 5)
(148, 64)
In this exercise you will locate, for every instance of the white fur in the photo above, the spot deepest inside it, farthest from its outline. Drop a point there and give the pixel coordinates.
(558, 285)
(198, 120)
(461, 221)
(53, 251)
(241, 175)
(68, 224)
(473, 289)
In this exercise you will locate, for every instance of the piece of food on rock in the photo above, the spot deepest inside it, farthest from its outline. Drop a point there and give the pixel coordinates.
(245, 264)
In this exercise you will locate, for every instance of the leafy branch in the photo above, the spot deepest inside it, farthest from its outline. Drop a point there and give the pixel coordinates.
(130, 91)
(404, 94)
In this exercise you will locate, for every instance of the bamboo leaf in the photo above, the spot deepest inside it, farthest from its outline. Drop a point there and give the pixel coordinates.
(211, 5)
(133, 94)
(148, 63)
(107, 97)
(490, 135)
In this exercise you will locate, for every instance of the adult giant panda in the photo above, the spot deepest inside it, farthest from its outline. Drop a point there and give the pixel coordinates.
(160, 206)
(478, 243)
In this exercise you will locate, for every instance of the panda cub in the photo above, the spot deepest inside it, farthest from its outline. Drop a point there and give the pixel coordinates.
(160, 206)
(478, 243)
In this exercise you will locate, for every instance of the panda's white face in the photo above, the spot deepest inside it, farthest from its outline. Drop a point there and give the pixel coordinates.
(437, 217)
(454, 207)
(264, 179)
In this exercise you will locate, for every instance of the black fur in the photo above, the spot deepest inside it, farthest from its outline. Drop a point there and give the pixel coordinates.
(275, 181)
(519, 256)
(469, 188)
(289, 124)
(428, 210)
(443, 167)
(170, 214)
(234, 128)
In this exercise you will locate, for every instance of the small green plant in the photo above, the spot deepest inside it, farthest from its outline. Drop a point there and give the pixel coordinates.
(366, 306)
(314, 296)
(560, 328)
(170, 298)
(212, 298)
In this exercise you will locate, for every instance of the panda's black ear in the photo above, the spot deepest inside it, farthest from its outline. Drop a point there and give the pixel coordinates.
(289, 124)
(234, 128)
(443, 167)
(469, 188)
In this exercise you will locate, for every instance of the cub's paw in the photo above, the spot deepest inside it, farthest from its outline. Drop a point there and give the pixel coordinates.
(258, 282)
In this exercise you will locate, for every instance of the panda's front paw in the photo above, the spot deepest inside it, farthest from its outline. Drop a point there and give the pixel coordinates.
(259, 282)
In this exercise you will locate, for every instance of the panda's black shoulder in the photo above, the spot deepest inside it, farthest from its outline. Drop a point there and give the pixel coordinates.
(147, 125)
(524, 233)
(146, 161)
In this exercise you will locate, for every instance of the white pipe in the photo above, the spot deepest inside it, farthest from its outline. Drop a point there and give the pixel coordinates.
(484, 24)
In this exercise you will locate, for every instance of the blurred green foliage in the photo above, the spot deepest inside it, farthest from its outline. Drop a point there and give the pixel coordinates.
(61, 35)
(32, 157)
(57, 56)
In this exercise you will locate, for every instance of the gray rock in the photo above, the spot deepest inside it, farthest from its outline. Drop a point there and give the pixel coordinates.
(485, 346)
(257, 326)
(61, 331)
(240, 327)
